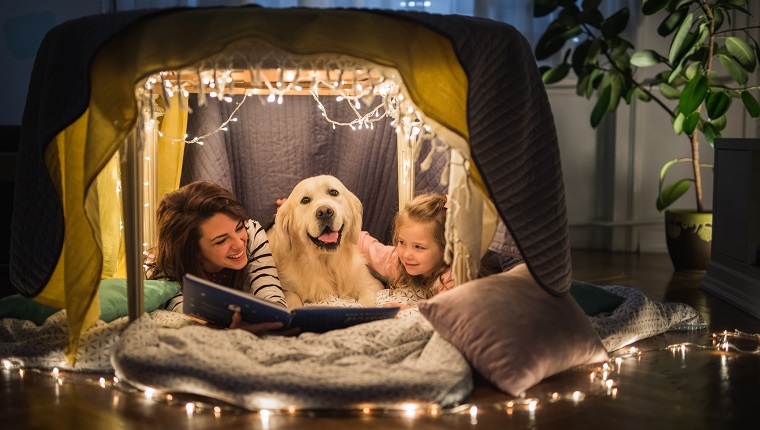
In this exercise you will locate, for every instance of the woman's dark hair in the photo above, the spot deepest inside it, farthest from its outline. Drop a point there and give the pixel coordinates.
(179, 217)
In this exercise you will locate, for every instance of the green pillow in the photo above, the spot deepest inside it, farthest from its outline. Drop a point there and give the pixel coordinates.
(592, 299)
(112, 297)
(20, 307)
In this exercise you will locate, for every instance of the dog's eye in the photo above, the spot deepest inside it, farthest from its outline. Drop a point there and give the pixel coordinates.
(333, 193)
(305, 200)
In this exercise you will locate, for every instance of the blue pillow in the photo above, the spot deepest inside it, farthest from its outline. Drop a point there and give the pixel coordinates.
(112, 297)
(20, 307)
(592, 299)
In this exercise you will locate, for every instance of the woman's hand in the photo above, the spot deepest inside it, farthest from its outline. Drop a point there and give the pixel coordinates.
(267, 328)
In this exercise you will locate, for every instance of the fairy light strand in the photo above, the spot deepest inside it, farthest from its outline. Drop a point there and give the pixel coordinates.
(602, 381)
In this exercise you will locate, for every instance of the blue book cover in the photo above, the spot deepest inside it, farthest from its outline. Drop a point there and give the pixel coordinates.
(215, 304)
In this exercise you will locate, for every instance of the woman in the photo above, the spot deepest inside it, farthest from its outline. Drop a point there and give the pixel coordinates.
(204, 230)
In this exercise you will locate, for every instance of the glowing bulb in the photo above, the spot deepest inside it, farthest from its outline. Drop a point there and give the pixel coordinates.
(190, 408)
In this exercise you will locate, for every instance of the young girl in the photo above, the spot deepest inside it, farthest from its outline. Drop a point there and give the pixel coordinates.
(415, 263)
(204, 230)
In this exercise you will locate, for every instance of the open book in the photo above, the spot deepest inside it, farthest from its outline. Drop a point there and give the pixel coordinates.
(215, 304)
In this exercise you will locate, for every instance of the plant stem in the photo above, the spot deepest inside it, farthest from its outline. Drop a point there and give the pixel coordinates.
(695, 135)
(695, 167)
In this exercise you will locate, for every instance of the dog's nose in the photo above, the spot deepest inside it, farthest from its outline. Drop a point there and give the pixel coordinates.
(325, 212)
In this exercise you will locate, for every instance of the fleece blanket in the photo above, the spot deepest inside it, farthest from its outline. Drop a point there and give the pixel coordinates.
(396, 360)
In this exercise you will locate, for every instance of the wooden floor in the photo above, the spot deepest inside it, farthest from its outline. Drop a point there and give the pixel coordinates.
(661, 388)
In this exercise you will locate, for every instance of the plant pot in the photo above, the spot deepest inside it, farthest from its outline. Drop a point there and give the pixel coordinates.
(689, 238)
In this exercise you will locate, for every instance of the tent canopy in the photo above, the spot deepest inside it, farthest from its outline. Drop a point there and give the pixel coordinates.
(475, 79)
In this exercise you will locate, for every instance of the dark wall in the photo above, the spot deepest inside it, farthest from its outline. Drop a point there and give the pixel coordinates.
(9, 139)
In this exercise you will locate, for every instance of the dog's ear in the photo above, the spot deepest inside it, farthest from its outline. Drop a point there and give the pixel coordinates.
(283, 221)
(357, 212)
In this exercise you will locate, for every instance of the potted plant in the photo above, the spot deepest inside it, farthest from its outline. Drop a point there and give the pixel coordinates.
(708, 66)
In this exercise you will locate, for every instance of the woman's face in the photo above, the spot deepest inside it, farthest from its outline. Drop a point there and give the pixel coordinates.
(417, 249)
(223, 243)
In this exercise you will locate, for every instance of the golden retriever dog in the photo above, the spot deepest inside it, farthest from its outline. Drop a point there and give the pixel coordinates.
(314, 244)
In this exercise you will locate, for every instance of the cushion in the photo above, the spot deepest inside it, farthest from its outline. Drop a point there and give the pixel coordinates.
(112, 296)
(512, 331)
(20, 307)
(592, 299)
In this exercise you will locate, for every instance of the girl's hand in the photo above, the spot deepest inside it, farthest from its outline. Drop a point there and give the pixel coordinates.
(397, 305)
(267, 328)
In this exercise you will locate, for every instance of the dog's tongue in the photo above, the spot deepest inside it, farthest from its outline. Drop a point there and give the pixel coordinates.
(330, 237)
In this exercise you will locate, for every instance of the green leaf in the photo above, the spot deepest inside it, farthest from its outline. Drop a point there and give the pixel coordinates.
(693, 70)
(601, 106)
(650, 7)
(642, 95)
(669, 92)
(673, 192)
(711, 133)
(681, 35)
(557, 33)
(585, 54)
(717, 104)
(693, 95)
(616, 23)
(618, 87)
(544, 7)
(719, 123)
(646, 58)
(555, 74)
(733, 68)
(590, 4)
(678, 123)
(753, 107)
(671, 22)
(690, 123)
(742, 53)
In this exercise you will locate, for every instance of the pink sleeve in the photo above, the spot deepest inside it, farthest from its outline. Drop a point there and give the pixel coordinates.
(382, 258)
(447, 282)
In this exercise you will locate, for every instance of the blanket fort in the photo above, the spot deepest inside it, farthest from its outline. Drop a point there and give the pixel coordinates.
(474, 82)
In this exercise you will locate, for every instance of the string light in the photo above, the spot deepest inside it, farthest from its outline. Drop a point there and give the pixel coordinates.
(602, 379)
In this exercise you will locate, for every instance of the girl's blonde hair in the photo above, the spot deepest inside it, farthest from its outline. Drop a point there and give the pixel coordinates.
(425, 208)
